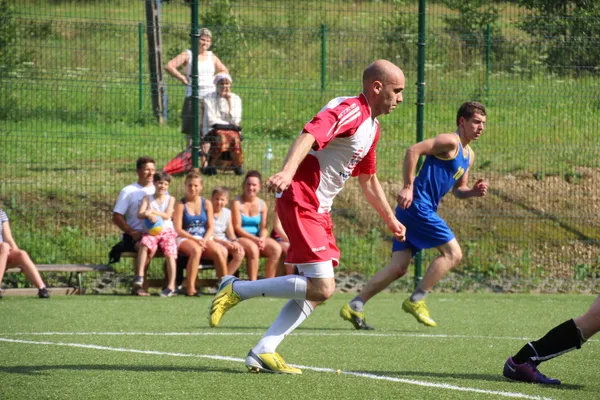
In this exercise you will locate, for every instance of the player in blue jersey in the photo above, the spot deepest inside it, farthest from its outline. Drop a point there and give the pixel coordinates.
(448, 158)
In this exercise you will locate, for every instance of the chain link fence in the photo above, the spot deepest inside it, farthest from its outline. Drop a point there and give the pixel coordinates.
(76, 112)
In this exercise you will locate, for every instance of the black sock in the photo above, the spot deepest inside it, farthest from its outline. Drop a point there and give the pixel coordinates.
(559, 340)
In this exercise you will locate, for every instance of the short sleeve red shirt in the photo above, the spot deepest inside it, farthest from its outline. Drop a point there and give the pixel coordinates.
(345, 140)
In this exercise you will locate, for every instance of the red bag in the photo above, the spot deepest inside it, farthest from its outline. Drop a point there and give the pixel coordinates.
(181, 163)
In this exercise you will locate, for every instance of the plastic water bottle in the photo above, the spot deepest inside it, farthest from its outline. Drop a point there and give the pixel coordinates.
(266, 170)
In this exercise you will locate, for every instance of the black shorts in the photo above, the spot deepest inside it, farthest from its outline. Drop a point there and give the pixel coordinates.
(128, 243)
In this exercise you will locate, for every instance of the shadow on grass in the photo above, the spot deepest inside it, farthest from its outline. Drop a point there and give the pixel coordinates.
(347, 330)
(55, 169)
(39, 369)
(458, 375)
(548, 216)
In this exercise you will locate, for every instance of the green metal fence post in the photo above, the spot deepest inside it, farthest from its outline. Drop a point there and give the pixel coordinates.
(323, 57)
(141, 65)
(488, 51)
(420, 106)
(195, 90)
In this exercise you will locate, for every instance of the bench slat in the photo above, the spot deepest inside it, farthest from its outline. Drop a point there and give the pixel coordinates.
(200, 282)
(67, 268)
(204, 264)
(34, 291)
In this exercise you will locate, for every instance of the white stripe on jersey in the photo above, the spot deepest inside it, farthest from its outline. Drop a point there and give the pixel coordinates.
(355, 114)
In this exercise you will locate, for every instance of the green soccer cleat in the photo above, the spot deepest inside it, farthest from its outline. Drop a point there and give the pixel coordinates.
(224, 300)
(419, 310)
(269, 362)
(356, 318)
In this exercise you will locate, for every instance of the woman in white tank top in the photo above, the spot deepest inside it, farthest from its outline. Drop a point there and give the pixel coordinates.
(208, 65)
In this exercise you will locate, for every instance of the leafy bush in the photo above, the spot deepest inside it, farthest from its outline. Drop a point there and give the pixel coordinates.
(220, 19)
(400, 36)
(569, 30)
(470, 24)
(9, 31)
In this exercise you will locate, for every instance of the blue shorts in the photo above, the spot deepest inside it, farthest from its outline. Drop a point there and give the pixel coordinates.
(424, 229)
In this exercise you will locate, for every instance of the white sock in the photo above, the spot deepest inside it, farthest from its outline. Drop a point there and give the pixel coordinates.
(285, 287)
(291, 316)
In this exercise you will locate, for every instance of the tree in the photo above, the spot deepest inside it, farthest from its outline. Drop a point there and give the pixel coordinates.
(470, 24)
(569, 31)
(9, 30)
(219, 17)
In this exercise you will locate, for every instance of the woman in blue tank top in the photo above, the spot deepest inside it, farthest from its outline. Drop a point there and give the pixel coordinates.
(249, 217)
(193, 221)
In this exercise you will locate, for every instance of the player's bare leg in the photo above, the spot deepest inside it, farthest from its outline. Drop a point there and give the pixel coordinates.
(396, 269)
(450, 256)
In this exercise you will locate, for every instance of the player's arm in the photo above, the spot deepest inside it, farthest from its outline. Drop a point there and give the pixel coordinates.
(461, 190)
(442, 145)
(376, 197)
(174, 64)
(297, 152)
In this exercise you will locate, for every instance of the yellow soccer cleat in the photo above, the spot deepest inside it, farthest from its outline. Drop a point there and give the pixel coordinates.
(419, 310)
(224, 300)
(356, 318)
(269, 362)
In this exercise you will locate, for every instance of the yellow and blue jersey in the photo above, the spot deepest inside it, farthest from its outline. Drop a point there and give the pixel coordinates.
(438, 175)
(425, 229)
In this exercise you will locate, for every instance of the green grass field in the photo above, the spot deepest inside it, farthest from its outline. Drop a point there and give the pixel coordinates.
(120, 347)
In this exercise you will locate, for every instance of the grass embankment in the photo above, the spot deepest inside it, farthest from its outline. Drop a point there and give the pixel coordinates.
(72, 130)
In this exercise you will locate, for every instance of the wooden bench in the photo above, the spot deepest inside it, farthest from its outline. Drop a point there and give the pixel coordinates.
(200, 282)
(72, 269)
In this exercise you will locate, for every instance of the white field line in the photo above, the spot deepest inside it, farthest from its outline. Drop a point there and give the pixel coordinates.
(260, 333)
(317, 369)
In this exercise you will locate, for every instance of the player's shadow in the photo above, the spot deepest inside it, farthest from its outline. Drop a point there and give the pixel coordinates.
(458, 375)
(39, 369)
(548, 216)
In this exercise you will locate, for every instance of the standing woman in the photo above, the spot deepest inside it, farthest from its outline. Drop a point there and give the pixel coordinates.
(208, 66)
(249, 217)
(10, 254)
(193, 220)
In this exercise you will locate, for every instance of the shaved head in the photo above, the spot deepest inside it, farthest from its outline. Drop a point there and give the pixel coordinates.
(383, 83)
(380, 70)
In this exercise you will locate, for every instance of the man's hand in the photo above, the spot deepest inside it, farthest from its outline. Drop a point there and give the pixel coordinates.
(279, 182)
(405, 198)
(479, 188)
(397, 229)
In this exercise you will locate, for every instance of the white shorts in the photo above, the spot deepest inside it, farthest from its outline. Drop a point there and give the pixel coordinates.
(180, 239)
(322, 269)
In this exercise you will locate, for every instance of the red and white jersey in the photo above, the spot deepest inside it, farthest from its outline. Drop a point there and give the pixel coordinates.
(345, 140)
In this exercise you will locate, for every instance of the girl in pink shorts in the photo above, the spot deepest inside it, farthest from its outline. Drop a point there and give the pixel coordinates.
(161, 204)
